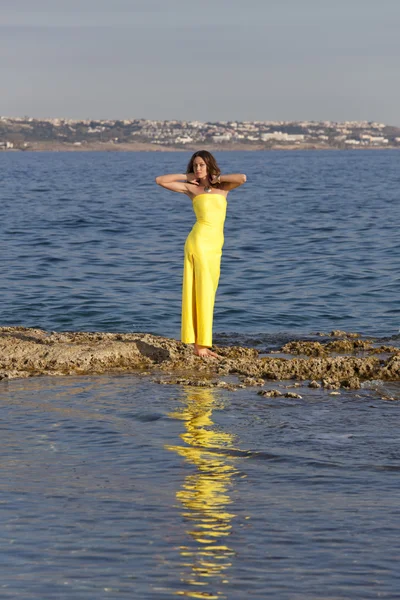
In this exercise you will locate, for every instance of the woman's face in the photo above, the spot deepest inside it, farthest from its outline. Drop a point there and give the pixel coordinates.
(199, 167)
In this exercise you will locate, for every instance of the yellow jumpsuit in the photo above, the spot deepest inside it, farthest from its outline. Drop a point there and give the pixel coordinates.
(203, 250)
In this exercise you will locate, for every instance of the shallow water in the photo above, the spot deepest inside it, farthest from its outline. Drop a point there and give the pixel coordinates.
(115, 487)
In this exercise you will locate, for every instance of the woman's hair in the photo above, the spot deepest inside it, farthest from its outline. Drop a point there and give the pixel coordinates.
(213, 169)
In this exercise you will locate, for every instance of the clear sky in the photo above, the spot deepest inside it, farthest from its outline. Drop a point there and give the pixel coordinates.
(201, 59)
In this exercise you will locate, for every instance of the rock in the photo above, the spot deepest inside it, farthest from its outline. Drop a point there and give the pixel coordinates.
(31, 352)
(206, 383)
(349, 346)
(319, 349)
(339, 333)
(251, 381)
(314, 384)
(270, 393)
(391, 368)
(306, 348)
(236, 352)
(330, 384)
(352, 383)
(385, 349)
(293, 395)
(227, 386)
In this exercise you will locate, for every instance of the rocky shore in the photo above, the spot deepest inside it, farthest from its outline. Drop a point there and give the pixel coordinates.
(340, 359)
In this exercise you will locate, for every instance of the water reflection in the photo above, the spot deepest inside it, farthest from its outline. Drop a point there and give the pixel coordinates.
(205, 495)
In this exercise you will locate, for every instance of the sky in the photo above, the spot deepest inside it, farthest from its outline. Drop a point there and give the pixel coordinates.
(206, 60)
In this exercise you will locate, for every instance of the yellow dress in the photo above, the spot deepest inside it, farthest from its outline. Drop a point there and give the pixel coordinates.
(203, 250)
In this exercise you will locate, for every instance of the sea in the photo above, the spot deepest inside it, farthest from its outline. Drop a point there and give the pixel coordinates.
(114, 486)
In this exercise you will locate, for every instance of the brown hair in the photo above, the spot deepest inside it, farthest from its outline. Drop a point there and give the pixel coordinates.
(213, 169)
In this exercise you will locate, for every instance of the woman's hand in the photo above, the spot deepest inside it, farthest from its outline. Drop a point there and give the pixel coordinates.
(191, 178)
(215, 179)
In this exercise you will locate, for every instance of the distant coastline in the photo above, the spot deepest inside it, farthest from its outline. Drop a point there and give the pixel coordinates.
(146, 147)
(143, 135)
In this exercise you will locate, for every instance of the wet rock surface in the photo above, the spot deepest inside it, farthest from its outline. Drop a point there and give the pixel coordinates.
(318, 349)
(344, 362)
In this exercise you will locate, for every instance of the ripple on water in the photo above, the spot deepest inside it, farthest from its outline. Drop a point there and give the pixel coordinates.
(229, 493)
(298, 256)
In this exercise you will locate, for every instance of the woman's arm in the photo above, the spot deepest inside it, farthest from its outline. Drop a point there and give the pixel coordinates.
(230, 182)
(177, 182)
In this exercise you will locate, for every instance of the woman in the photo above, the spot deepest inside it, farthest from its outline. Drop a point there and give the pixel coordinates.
(208, 190)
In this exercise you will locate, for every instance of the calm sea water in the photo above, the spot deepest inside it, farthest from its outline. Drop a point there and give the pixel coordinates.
(116, 487)
(89, 242)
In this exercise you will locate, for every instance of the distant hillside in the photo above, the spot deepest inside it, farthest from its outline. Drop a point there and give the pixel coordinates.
(26, 133)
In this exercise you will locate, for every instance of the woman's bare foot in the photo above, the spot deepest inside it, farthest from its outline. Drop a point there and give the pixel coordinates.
(203, 352)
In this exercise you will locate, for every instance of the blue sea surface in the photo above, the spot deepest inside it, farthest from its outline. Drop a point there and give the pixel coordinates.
(89, 242)
(114, 486)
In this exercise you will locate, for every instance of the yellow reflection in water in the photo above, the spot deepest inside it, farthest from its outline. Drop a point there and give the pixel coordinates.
(205, 494)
